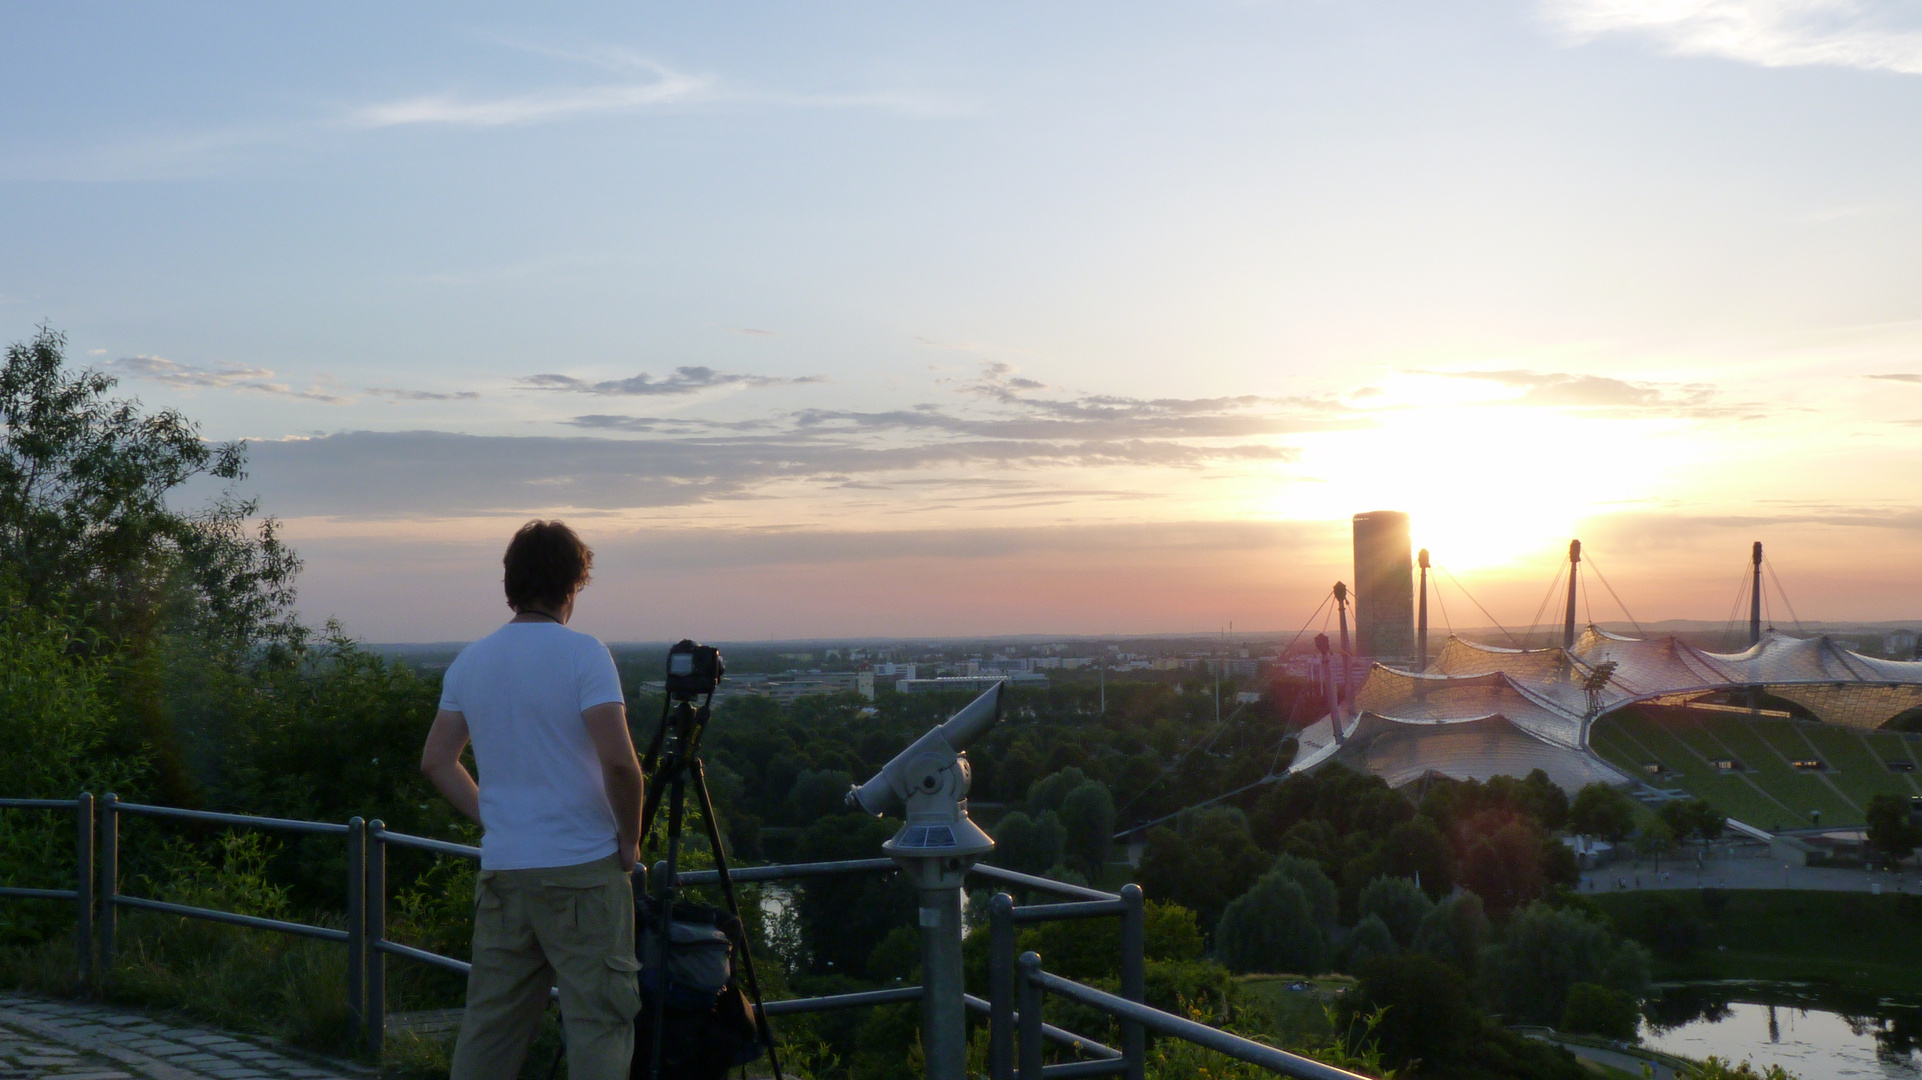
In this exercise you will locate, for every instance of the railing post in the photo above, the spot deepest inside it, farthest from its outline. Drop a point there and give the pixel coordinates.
(1134, 1038)
(374, 912)
(1001, 987)
(109, 880)
(83, 884)
(357, 925)
(1029, 993)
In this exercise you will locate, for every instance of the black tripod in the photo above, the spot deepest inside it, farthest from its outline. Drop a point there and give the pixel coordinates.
(672, 761)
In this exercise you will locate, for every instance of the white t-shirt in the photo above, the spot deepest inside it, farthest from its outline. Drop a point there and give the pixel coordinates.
(522, 689)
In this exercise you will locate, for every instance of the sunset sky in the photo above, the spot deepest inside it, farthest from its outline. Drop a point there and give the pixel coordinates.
(888, 319)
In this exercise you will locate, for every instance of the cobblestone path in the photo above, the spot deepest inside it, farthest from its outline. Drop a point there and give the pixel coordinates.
(63, 1040)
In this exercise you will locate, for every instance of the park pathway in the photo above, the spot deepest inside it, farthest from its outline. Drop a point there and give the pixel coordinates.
(66, 1040)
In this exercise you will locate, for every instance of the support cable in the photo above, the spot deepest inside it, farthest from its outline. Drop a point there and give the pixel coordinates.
(1542, 607)
(1729, 640)
(1478, 607)
(1770, 567)
(1611, 592)
(1183, 756)
(1443, 604)
(1587, 611)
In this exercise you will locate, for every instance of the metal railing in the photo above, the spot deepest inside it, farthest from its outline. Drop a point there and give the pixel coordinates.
(1017, 1033)
(82, 892)
(1035, 984)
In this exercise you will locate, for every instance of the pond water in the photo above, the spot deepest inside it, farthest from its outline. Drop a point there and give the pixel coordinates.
(1812, 1035)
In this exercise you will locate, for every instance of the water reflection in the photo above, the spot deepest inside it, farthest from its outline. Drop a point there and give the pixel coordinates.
(1810, 1034)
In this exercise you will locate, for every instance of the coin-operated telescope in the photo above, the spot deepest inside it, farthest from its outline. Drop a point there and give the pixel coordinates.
(935, 848)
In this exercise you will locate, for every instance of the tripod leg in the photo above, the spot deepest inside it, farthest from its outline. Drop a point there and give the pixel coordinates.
(734, 907)
(676, 803)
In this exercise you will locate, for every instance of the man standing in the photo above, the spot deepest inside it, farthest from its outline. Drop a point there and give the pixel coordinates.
(559, 803)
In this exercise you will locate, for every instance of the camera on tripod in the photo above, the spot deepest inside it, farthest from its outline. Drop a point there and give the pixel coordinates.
(693, 670)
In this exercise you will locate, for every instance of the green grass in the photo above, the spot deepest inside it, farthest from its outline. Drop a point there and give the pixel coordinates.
(1849, 941)
(1771, 793)
(1637, 739)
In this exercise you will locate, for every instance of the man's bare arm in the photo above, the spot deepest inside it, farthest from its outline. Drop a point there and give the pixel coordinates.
(440, 761)
(621, 772)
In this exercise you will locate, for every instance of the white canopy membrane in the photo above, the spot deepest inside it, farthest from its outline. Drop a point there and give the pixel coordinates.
(1507, 711)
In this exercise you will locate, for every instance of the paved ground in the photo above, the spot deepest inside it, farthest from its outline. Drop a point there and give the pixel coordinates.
(62, 1040)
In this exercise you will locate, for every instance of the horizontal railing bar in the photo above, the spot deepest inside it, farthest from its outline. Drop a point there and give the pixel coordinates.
(445, 963)
(1059, 888)
(1074, 1070)
(842, 1001)
(781, 871)
(252, 922)
(1054, 1034)
(38, 894)
(249, 820)
(39, 804)
(444, 847)
(1215, 1039)
(1079, 909)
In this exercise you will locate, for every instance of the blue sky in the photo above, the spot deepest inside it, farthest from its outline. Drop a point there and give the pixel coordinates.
(912, 319)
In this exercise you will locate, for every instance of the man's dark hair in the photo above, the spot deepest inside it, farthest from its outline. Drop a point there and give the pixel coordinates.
(545, 563)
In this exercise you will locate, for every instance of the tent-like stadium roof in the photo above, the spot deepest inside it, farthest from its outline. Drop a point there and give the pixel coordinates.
(1479, 711)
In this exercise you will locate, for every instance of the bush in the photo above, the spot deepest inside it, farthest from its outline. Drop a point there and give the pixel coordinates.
(1597, 1010)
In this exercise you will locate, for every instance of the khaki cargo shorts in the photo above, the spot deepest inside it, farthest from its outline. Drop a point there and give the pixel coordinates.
(571, 925)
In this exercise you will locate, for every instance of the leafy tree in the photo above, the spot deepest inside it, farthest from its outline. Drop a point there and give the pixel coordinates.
(1272, 927)
(85, 514)
(1399, 905)
(1418, 849)
(1207, 859)
(1455, 931)
(1087, 814)
(90, 523)
(1369, 939)
(1890, 830)
(1593, 1009)
(1507, 868)
(844, 916)
(818, 793)
(1050, 792)
(1692, 817)
(1030, 845)
(1655, 840)
(1601, 810)
(1545, 951)
(1314, 885)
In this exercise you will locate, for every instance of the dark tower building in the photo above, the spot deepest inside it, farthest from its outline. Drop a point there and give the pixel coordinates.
(1384, 585)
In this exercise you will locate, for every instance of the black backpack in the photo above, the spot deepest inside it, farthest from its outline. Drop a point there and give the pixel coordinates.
(708, 1026)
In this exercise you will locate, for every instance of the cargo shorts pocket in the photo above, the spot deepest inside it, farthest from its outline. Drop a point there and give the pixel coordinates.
(584, 909)
(623, 986)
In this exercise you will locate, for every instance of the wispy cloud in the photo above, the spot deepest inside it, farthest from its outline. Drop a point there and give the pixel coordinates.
(1899, 377)
(684, 380)
(422, 395)
(1602, 395)
(665, 87)
(1875, 35)
(224, 377)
